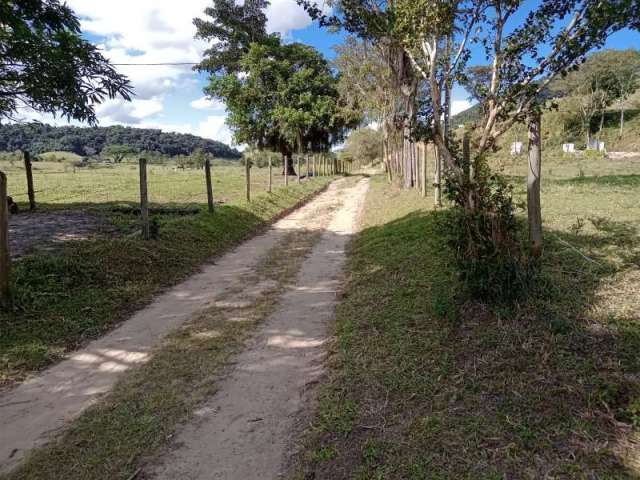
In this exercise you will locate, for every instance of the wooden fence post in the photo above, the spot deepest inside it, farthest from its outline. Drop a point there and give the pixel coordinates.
(5, 258)
(207, 173)
(307, 161)
(270, 174)
(30, 191)
(144, 199)
(286, 171)
(534, 211)
(298, 169)
(247, 170)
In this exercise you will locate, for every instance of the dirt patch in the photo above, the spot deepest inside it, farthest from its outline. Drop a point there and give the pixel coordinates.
(624, 156)
(48, 230)
(247, 429)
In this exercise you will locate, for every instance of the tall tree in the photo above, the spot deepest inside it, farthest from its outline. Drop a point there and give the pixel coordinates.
(525, 56)
(286, 100)
(47, 66)
(230, 28)
(366, 84)
(623, 66)
(588, 91)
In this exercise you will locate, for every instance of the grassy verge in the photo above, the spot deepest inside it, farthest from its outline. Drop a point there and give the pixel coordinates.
(66, 298)
(426, 385)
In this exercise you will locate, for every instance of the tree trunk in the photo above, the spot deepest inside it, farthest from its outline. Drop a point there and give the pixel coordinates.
(534, 212)
(423, 159)
(466, 155)
(621, 121)
(601, 125)
(437, 176)
(288, 165)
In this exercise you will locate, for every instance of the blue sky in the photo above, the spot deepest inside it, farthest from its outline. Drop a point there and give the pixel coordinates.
(171, 98)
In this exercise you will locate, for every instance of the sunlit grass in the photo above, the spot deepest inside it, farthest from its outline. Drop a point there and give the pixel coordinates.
(59, 184)
(425, 384)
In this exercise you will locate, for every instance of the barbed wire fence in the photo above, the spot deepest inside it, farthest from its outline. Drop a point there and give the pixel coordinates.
(156, 186)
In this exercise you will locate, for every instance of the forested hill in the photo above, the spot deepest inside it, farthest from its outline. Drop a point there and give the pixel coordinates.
(40, 138)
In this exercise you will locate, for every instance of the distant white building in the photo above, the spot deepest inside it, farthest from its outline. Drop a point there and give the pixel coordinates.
(516, 148)
(596, 145)
(568, 148)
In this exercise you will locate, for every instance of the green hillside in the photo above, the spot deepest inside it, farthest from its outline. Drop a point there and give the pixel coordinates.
(556, 130)
(84, 141)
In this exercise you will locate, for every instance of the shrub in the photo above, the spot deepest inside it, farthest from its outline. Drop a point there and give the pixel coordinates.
(491, 260)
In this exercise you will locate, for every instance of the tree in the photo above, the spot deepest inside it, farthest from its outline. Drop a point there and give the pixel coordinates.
(624, 66)
(41, 138)
(364, 145)
(366, 84)
(47, 66)
(286, 100)
(230, 28)
(588, 91)
(525, 56)
(117, 152)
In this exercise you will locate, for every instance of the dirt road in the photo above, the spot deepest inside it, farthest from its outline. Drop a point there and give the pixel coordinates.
(244, 430)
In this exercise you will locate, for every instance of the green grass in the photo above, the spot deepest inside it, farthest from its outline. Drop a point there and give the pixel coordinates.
(65, 298)
(425, 384)
(61, 185)
(118, 436)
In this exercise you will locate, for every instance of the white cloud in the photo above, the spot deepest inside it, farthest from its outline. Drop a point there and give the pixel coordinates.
(134, 112)
(162, 31)
(215, 128)
(286, 15)
(458, 106)
(205, 103)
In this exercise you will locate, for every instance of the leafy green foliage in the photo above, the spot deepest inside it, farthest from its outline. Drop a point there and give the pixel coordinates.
(39, 138)
(364, 144)
(286, 100)
(48, 66)
(490, 261)
(230, 28)
(117, 152)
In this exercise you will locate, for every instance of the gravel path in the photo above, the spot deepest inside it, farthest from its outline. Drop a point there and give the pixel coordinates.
(33, 412)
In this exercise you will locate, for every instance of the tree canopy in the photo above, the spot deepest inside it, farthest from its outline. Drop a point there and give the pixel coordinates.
(47, 66)
(230, 28)
(39, 138)
(279, 96)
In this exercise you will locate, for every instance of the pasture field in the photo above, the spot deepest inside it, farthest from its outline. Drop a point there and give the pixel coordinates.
(426, 384)
(69, 295)
(60, 184)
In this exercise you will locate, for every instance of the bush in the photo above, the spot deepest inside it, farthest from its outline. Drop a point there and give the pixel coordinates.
(491, 260)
